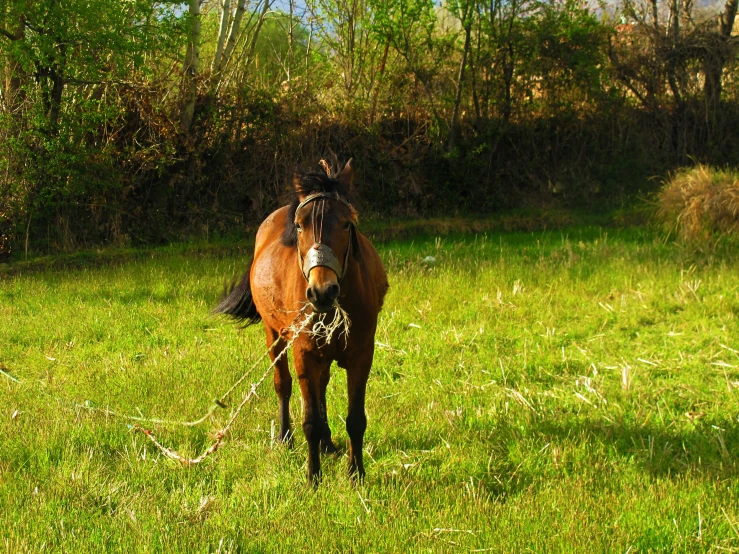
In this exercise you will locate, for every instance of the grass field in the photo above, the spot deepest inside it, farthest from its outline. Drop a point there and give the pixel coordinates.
(563, 391)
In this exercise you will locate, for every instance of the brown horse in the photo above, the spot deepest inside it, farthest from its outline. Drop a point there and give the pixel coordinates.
(310, 253)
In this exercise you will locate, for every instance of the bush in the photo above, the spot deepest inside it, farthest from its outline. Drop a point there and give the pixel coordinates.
(700, 203)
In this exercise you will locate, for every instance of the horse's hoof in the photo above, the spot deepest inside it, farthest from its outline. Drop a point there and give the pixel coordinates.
(356, 478)
(356, 472)
(328, 447)
(314, 479)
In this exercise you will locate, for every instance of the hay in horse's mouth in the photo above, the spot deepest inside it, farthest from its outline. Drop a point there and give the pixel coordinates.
(323, 330)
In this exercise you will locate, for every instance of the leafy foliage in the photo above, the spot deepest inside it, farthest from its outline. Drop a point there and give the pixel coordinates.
(161, 120)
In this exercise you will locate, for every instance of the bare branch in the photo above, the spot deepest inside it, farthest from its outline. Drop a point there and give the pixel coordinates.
(7, 34)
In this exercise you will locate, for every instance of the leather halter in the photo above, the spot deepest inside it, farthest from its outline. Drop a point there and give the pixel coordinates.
(320, 254)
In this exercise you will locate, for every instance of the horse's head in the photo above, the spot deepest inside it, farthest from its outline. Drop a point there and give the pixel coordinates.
(324, 232)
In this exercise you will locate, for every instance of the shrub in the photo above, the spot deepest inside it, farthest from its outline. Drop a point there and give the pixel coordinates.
(700, 203)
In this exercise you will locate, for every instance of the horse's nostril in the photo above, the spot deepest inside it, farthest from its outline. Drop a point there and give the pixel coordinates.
(322, 295)
(333, 291)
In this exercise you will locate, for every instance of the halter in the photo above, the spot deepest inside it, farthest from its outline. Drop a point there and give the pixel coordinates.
(320, 254)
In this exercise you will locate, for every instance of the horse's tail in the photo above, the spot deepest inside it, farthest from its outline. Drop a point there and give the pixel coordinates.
(237, 301)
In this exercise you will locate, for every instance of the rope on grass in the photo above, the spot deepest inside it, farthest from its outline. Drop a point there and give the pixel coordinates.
(319, 330)
(174, 455)
(219, 402)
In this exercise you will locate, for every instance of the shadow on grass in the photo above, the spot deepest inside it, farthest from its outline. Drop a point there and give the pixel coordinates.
(662, 451)
(513, 457)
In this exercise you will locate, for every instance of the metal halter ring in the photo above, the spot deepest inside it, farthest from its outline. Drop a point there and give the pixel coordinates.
(321, 255)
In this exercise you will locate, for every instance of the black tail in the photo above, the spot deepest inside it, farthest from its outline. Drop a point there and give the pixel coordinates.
(237, 301)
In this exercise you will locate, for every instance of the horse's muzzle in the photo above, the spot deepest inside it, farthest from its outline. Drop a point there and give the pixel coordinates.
(322, 297)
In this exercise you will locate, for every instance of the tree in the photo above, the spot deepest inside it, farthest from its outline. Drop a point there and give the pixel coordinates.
(65, 60)
(721, 49)
(463, 10)
(408, 27)
(191, 67)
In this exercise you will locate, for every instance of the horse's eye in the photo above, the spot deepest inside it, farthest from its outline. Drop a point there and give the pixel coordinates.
(347, 226)
(299, 228)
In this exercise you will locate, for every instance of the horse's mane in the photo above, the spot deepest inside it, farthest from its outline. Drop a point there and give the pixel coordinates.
(304, 184)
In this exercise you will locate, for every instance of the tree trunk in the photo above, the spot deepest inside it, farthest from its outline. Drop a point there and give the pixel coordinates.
(380, 73)
(508, 67)
(474, 58)
(674, 46)
(458, 99)
(255, 34)
(715, 59)
(28, 233)
(191, 68)
(307, 53)
(222, 34)
(234, 33)
(727, 18)
(349, 58)
(14, 74)
(50, 79)
(57, 92)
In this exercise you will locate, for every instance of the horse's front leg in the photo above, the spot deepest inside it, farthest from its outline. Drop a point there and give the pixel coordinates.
(327, 445)
(309, 367)
(357, 373)
(283, 383)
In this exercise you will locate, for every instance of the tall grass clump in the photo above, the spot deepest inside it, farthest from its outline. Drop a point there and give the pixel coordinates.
(700, 203)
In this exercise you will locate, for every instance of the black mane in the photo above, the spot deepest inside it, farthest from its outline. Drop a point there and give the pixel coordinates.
(306, 183)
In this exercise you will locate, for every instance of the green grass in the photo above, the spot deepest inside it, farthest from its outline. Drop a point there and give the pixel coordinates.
(566, 391)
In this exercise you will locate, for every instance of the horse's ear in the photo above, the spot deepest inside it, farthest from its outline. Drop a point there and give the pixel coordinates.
(346, 176)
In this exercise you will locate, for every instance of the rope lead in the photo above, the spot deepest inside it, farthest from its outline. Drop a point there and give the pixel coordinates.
(319, 329)
(174, 455)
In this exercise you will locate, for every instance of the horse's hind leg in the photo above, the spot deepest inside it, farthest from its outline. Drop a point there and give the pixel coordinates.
(283, 383)
(327, 445)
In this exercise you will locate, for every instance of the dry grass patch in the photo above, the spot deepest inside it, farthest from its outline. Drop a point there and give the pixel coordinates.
(700, 203)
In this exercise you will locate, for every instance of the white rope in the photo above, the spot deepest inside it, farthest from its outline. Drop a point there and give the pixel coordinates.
(320, 330)
(174, 455)
(217, 403)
